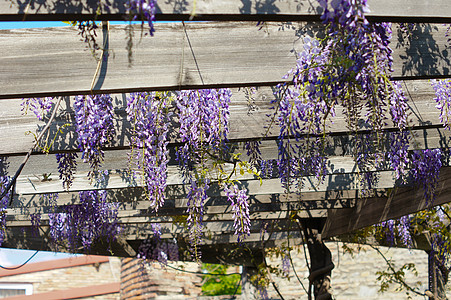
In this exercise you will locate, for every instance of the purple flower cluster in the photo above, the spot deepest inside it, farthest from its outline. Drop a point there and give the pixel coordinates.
(389, 228)
(197, 196)
(84, 223)
(397, 231)
(253, 152)
(442, 90)
(351, 66)
(403, 228)
(240, 207)
(285, 262)
(67, 166)
(203, 116)
(143, 10)
(4, 181)
(204, 122)
(94, 117)
(425, 170)
(147, 114)
(35, 223)
(40, 106)
(154, 248)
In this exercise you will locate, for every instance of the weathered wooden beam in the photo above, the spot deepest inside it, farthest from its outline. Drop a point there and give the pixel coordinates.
(212, 221)
(348, 181)
(52, 61)
(19, 238)
(400, 202)
(287, 10)
(248, 117)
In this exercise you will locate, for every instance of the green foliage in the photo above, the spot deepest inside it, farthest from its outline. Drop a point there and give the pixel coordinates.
(220, 285)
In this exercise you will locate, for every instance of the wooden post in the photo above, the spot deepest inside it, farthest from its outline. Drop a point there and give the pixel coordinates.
(249, 291)
(321, 264)
(438, 276)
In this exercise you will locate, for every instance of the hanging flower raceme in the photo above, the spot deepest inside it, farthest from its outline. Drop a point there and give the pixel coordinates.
(197, 196)
(95, 129)
(4, 181)
(351, 66)
(425, 170)
(143, 10)
(147, 113)
(39, 106)
(67, 166)
(154, 248)
(204, 118)
(204, 123)
(240, 207)
(84, 223)
(442, 90)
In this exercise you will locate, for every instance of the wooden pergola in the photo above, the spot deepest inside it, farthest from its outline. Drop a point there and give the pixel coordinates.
(231, 52)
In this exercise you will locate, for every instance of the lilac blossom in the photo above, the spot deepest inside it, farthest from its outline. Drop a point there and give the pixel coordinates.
(442, 90)
(154, 248)
(143, 10)
(82, 224)
(197, 196)
(4, 181)
(67, 166)
(286, 262)
(40, 106)
(146, 112)
(425, 170)
(94, 117)
(240, 207)
(35, 223)
(403, 227)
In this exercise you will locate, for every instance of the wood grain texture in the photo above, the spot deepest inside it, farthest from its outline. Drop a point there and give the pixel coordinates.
(371, 211)
(248, 120)
(216, 10)
(52, 61)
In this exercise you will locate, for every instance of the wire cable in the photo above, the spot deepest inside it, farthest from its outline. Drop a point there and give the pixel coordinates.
(200, 273)
(15, 268)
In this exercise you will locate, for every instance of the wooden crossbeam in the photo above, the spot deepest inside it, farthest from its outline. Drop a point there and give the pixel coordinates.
(245, 123)
(400, 202)
(287, 10)
(195, 55)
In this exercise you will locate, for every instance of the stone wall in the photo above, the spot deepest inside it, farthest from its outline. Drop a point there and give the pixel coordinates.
(153, 281)
(354, 276)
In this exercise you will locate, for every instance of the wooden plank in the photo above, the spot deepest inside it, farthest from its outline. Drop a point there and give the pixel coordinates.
(26, 185)
(244, 124)
(54, 62)
(24, 239)
(257, 203)
(132, 198)
(402, 201)
(287, 10)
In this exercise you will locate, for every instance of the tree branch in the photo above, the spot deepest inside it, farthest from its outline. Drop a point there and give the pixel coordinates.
(27, 156)
(397, 279)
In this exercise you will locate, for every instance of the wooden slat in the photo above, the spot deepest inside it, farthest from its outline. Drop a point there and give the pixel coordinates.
(287, 10)
(372, 211)
(132, 198)
(243, 125)
(54, 62)
(257, 203)
(349, 181)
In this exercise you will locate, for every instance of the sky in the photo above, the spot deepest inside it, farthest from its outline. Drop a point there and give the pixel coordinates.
(14, 257)
(40, 24)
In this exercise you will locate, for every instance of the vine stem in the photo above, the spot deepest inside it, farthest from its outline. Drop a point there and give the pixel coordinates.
(399, 280)
(27, 156)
